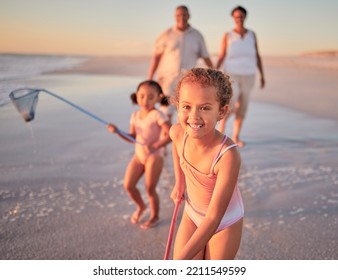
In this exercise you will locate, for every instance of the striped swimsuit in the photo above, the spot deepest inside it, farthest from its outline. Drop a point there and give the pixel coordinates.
(199, 190)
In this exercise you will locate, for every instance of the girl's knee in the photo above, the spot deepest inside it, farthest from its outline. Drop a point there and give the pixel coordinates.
(151, 191)
(129, 186)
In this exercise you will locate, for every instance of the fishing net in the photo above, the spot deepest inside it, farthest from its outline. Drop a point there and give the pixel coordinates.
(25, 101)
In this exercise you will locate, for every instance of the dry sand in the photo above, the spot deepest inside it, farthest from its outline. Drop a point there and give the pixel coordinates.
(61, 176)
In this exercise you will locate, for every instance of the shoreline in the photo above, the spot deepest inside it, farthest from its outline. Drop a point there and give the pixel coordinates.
(119, 66)
(278, 89)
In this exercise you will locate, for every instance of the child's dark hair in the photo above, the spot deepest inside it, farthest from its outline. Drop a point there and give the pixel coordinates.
(151, 83)
(207, 78)
(164, 101)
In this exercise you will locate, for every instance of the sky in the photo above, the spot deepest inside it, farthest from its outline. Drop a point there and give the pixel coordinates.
(130, 27)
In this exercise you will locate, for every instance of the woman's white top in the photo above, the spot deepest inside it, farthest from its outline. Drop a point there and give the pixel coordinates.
(241, 54)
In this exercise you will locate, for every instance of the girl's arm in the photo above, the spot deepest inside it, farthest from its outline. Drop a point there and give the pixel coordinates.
(176, 134)
(227, 171)
(165, 140)
(113, 129)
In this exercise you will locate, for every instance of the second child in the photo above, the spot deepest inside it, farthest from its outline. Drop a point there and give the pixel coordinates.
(146, 126)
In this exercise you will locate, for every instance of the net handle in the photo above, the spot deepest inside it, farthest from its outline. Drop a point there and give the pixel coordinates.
(171, 230)
(126, 135)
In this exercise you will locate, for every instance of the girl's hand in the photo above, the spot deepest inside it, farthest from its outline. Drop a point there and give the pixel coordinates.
(111, 128)
(177, 193)
(149, 149)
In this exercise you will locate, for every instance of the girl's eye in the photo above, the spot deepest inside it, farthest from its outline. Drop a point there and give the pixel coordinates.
(186, 107)
(205, 108)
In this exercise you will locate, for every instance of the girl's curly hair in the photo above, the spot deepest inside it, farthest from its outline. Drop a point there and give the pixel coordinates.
(207, 78)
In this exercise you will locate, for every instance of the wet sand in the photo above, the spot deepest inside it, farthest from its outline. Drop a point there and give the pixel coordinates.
(61, 177)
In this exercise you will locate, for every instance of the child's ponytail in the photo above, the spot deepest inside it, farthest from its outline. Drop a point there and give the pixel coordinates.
(133, 98)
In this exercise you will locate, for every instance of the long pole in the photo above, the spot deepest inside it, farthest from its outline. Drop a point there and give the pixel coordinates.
(126, 135)
(171, 230)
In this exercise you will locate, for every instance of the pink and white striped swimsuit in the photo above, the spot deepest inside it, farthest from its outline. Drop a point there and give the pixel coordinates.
(200, 187)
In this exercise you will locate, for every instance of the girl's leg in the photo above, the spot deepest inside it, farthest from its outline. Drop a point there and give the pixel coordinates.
(153, 168)
(133, 173)
(225, 243)
(184, 233)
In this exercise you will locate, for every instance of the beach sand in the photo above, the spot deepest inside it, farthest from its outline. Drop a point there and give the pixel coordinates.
(61, 176)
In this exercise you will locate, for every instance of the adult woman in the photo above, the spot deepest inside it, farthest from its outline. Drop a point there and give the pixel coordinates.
(240, 56)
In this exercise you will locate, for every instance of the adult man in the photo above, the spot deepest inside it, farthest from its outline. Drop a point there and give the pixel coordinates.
(176, 49)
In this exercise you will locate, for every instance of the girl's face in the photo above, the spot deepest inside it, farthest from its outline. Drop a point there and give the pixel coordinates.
(199, 109)
(147, 96)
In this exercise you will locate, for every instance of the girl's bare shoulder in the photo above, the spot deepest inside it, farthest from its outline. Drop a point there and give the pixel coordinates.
(231, 153)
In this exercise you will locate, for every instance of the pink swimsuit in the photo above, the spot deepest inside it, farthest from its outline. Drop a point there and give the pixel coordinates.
(148, 131)
(199, 190)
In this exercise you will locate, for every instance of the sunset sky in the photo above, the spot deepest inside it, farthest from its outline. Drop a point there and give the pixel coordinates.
(130, 27)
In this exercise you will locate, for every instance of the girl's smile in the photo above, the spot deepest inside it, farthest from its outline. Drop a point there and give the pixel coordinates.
(196, 126)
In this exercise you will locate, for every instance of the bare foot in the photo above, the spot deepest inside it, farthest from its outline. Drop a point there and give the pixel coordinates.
(152, 222)
(137, 215)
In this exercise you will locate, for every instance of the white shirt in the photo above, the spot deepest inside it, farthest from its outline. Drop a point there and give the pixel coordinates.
(180, 50)
(241, 54)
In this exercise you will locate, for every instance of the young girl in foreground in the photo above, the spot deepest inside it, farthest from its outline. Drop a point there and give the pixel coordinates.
(207, 163)
(146, 126)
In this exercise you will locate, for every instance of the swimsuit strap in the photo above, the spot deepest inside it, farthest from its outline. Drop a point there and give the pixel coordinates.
(220, 155)
(220, 149)
(214, 161)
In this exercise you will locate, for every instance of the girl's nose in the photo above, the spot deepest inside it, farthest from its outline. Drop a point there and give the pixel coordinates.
(194, 114)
